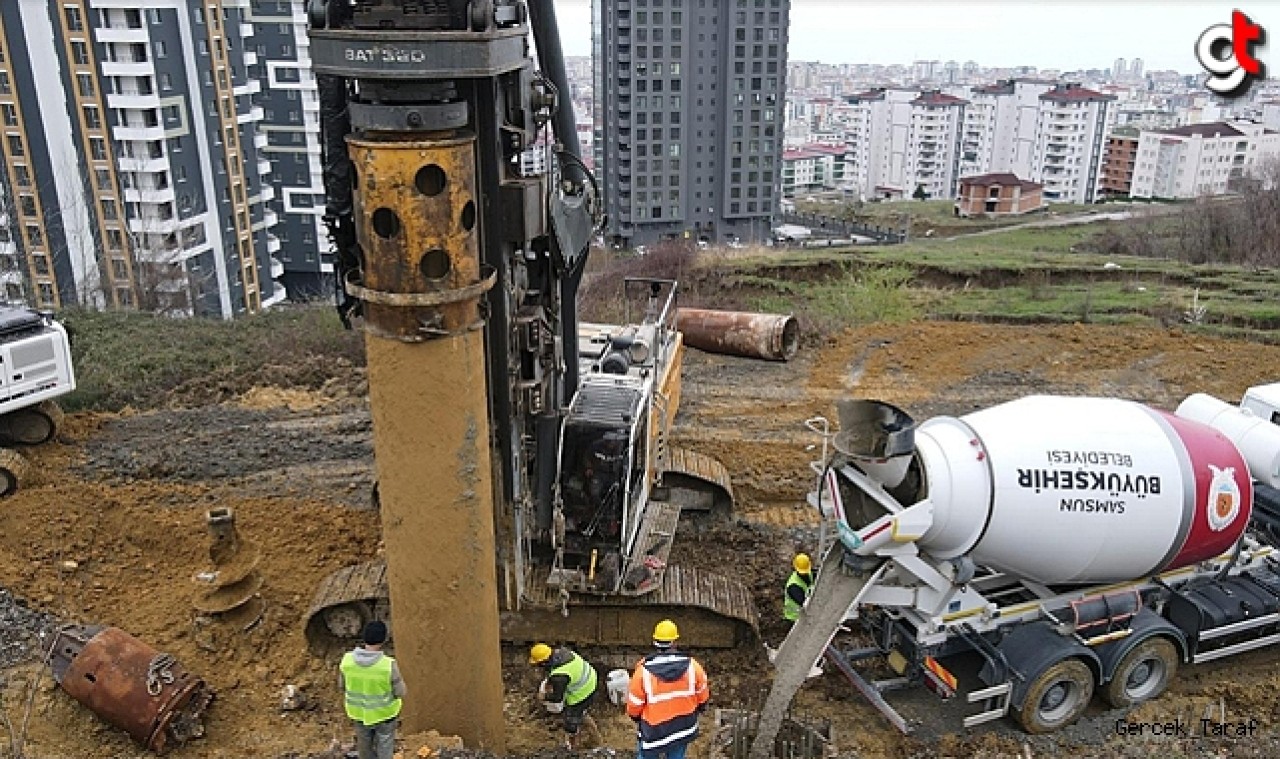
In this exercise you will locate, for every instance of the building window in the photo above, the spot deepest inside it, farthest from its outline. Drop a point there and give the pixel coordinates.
(98, 148)
(35, 236)
(15, 146)
(85, 83)
(75, 22)
(80, 53)
(5, 87)
(10, 114)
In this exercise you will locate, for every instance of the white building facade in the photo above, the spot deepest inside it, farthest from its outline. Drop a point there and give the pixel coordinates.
(1201, 159)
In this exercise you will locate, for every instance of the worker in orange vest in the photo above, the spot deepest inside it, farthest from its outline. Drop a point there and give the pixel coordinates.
(668, 691)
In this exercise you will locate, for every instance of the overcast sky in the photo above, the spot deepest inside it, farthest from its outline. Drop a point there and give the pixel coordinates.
(1078, 34)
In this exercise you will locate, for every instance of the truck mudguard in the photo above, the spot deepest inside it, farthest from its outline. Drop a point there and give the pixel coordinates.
(1146, 625)
(1030, 649)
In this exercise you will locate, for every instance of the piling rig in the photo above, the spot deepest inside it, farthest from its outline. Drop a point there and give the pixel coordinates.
(526, 485)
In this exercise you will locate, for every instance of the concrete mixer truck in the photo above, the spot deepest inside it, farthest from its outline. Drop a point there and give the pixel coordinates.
(1076, 545)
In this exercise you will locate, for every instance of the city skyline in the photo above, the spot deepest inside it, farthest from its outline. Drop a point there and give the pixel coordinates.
(1086, 34)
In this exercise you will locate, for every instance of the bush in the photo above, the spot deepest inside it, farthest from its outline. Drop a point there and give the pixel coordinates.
(141, 360)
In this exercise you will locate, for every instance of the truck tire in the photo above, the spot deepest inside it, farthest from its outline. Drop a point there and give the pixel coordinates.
(1057, 697)
(1143, 673)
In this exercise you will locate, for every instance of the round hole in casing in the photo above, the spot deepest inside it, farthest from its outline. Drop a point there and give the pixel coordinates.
(385, 223)
(429, 180)
(435, 264)
(469, 215)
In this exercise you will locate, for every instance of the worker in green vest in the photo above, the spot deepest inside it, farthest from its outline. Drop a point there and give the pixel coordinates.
(571, 680)
(372, 689)
(799, 585)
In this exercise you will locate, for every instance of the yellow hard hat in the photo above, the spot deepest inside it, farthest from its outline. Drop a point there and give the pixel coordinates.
(539, 653)
(665, 631)
(802, 564)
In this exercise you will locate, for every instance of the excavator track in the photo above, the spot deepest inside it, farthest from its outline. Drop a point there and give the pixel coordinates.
(713, 611)
(698, 483)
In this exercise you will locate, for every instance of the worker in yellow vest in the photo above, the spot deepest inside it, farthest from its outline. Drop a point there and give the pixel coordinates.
(572, 680)
(372, 689)
(799, 585)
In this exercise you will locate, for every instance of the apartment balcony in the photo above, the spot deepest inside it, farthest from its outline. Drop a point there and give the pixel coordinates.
(624, 123)
(122, 34)
(139, 133)
(311, 105)
(251, 87)
(277, 268)
(250, 58)
(268, 193)
(128, 68)
(273, 244)
(11, 277)
(151, 195)
(624, 57)
(8, 248)
(624, 22)
(133, 100)
(264, 167)
(148, 224)
(255, 113)
(246, 30)
(142, 163)
(623, 5)
(260, 140)
(624, 89)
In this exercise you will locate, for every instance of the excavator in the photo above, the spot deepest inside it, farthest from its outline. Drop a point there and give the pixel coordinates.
(426, 108)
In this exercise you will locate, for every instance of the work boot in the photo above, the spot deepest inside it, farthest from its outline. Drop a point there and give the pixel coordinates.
(593, 737)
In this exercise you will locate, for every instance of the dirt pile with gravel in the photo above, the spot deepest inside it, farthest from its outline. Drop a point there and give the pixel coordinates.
(113, 532)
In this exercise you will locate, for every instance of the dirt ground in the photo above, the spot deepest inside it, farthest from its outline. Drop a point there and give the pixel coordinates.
(113, 532)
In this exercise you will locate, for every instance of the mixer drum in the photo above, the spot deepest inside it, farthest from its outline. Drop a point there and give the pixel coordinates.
(1063, 490)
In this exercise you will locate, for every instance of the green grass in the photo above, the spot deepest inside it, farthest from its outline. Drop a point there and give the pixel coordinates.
(1053, 275)
(1024, 276)
(134, 359)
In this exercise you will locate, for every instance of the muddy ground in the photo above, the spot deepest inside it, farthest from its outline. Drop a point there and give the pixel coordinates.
(113, 532)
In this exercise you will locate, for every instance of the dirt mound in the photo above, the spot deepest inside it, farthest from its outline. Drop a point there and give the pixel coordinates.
(113, 530)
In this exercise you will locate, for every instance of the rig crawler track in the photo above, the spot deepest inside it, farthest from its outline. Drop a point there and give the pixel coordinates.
(714, 611)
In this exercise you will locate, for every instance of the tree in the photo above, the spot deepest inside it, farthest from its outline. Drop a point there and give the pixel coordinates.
(920, 194)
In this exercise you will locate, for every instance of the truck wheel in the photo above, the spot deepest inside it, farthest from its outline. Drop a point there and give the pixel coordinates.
(1057, 697)
(1143, 673)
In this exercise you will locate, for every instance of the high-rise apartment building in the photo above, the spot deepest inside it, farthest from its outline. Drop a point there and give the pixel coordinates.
(1000, 127)
(689, 116)
(905, 142)
(131, 137)
(1070, 143)
(289, 139)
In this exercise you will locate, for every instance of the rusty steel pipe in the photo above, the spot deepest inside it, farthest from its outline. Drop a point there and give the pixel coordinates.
(769, 336)
(131, 685)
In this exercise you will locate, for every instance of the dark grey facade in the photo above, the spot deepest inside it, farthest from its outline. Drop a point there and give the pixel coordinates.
(291, 126)
(689, 113)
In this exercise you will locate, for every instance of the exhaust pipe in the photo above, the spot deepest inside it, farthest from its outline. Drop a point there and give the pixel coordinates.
(735, 333)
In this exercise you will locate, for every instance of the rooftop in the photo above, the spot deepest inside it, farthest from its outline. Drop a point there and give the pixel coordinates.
(938, 98)
(1074, 93)
(1209, 129)
(1003, 179)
